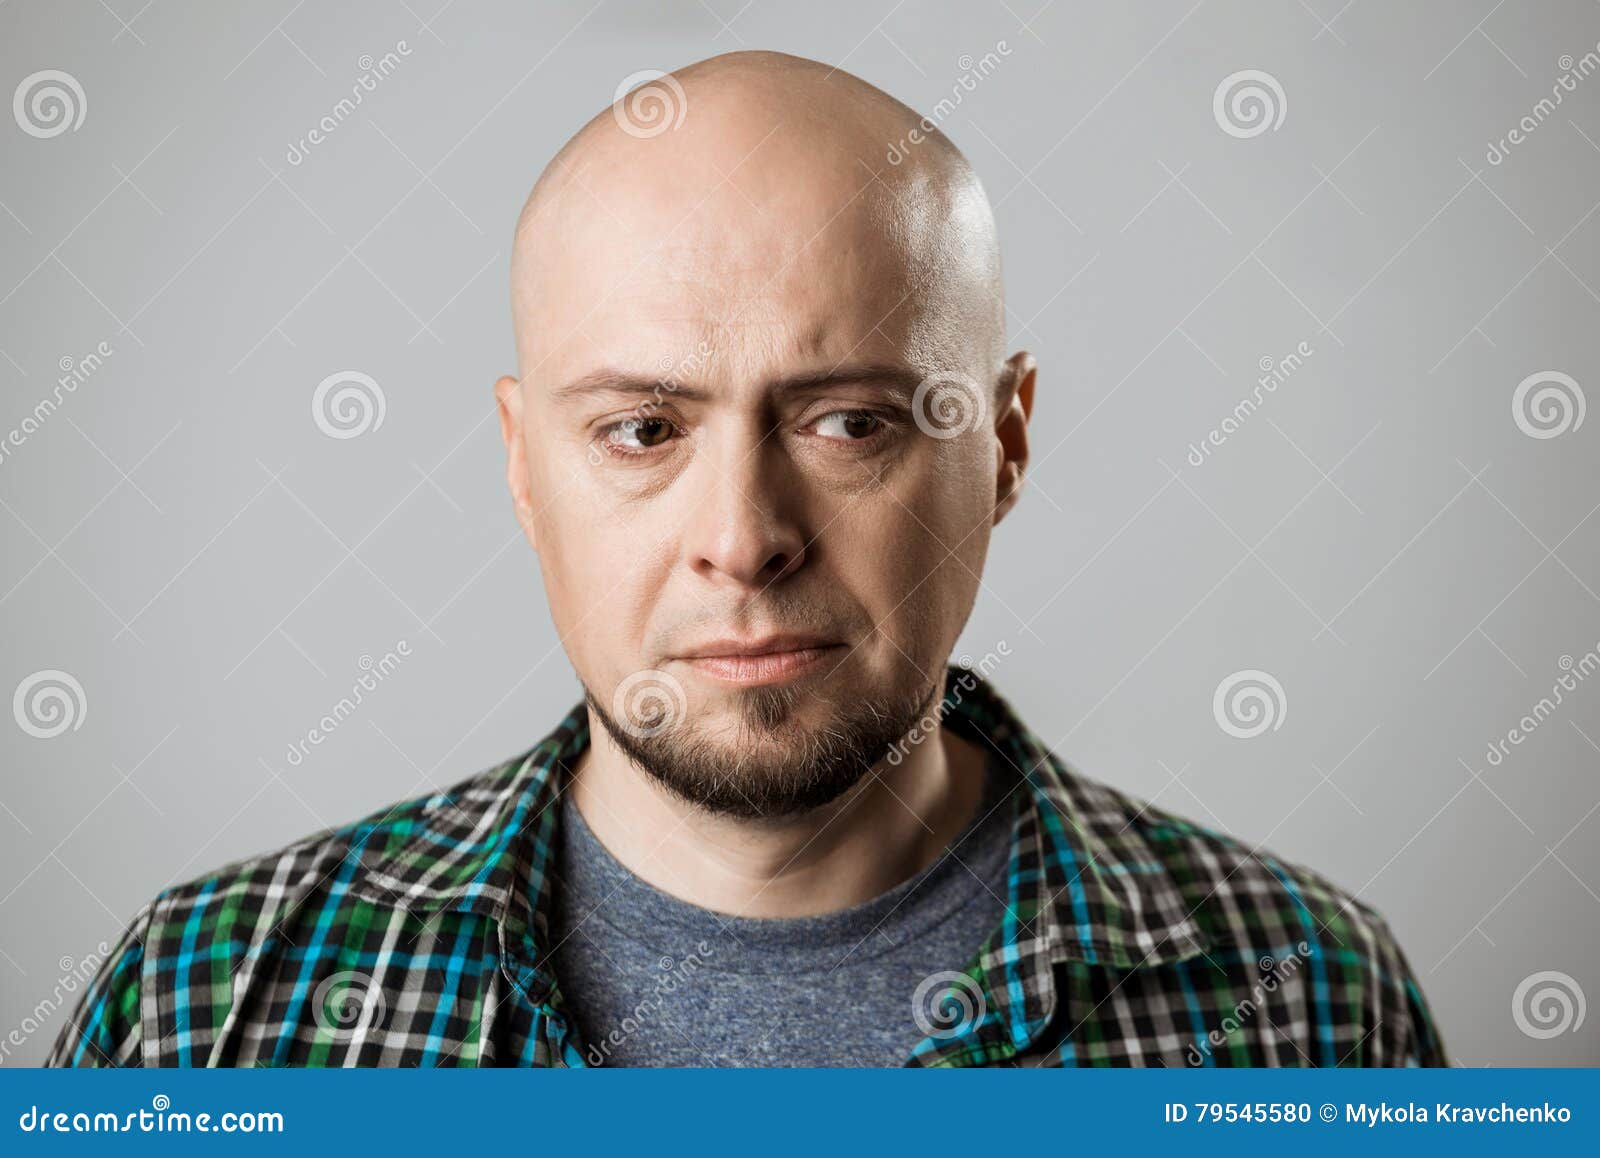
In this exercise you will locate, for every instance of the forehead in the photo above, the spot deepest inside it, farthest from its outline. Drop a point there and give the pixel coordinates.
(772, 267)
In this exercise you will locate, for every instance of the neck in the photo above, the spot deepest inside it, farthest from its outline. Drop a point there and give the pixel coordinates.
(892, 824)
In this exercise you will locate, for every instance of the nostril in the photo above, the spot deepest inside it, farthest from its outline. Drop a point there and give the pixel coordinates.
(780, 563)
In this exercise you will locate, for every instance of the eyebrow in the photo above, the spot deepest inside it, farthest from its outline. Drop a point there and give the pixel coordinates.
(897, 380)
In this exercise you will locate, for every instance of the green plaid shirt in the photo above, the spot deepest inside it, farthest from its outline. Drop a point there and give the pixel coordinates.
(418, 937)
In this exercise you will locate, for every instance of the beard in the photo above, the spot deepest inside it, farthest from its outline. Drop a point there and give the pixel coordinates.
(775, 766)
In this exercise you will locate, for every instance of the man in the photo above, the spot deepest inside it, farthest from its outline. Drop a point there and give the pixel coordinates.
(763, 424)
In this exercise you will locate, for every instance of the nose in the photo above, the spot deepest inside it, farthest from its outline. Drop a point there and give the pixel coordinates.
(746, 528)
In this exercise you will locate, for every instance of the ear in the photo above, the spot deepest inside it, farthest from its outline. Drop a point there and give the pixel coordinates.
(1015, 403)
(508, 397)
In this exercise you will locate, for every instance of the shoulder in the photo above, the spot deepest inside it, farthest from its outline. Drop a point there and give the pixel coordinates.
(1245, 894)
(1262, 916)
(224, 911)
(164, 992)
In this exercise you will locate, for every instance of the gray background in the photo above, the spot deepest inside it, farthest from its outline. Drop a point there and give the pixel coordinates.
(1381, 535)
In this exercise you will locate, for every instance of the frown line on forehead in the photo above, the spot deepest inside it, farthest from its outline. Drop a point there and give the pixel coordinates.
(896, 380)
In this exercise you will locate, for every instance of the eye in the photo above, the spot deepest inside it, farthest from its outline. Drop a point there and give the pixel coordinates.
(636, 435)
(849, 425)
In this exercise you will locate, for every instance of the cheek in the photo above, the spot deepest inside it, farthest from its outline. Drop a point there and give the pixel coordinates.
(602, 575)
(914, 547)
(948, 499)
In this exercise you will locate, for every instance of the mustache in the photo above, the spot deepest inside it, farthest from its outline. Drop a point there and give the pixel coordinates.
(787, 614)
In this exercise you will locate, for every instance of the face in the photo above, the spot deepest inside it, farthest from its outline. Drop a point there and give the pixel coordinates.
(756, 449)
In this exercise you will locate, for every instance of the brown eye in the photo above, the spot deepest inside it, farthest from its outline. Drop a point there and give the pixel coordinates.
(639, 433)
(849, 425)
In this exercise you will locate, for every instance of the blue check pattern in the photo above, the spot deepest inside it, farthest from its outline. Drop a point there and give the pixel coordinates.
(418, 937)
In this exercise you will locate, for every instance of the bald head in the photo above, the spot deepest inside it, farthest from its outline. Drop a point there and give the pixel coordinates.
(741, 188)
(763, 394)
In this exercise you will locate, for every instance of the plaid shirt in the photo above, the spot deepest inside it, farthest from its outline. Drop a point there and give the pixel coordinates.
(417, 937)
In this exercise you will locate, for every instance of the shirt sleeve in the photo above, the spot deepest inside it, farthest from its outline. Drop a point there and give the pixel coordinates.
(1424, 1045)
(105, 1028)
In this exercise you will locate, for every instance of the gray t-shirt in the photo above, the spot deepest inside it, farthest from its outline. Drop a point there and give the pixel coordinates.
(650, 980)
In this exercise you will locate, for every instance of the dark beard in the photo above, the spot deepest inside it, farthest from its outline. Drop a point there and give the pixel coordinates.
(816, 768)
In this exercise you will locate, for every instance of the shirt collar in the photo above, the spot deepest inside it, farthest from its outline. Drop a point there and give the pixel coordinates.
(1084, 883)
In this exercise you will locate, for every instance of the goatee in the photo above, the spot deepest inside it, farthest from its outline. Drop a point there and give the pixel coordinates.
(774, 767)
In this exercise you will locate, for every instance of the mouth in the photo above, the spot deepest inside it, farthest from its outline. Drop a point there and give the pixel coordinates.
(751, 663)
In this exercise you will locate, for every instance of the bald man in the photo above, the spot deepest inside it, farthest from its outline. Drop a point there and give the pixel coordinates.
(762, 427)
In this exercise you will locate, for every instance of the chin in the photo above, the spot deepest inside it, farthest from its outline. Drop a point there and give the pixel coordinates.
(769, 751)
